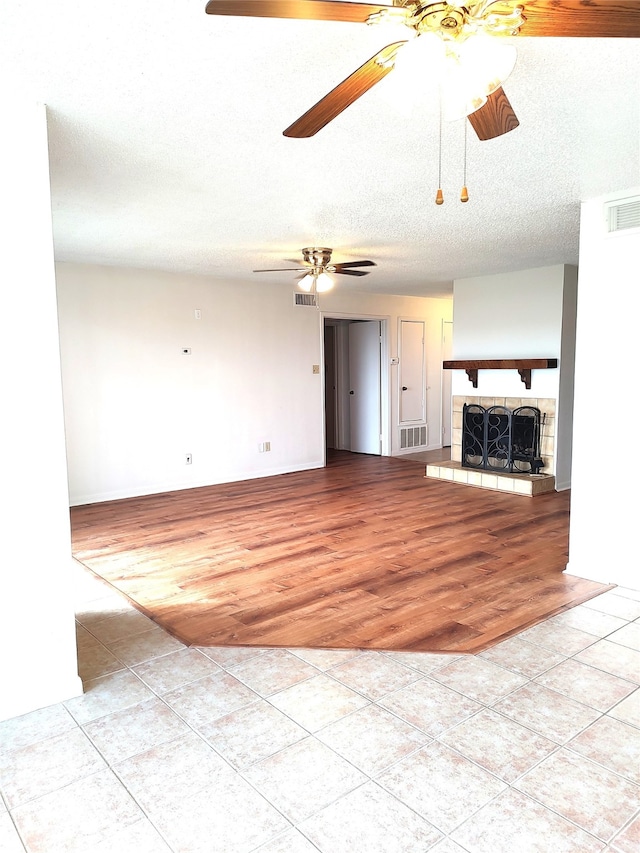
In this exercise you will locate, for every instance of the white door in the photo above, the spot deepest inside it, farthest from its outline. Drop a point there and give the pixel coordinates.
(412, 372)
(364, 386)
(447, 338)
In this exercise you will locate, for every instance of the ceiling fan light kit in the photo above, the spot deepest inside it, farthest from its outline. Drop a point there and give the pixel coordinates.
(455, 25)
(316, 265)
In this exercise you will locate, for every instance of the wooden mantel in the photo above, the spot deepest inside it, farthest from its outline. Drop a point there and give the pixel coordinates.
(524, 366)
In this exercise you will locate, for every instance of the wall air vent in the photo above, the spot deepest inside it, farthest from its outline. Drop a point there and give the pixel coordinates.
(413, 437)
(308, 299)
(623, 214)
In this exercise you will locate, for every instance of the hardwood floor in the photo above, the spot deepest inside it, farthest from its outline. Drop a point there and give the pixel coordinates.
(364, 553)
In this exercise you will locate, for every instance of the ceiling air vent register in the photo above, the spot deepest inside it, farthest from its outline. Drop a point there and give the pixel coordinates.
(623, 214)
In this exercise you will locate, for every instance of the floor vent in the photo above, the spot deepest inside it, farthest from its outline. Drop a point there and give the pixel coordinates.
(308, 299)
(413, 437)
(623, 214)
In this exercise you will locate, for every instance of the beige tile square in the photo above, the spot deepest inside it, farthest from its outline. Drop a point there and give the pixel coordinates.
(272, 671)
(290, 841)
(628, 841)
(549, 713)
(9, 838)
(521, 657)
(615, 605)
(76, 817)
(228, 656)
(175, 670)
(317, 702)
(589, 620)
(374, 675)
(585, 684)
(489, 481)
(613, 658)
(211, 697)
(35, 726)
(613, 744)
(229, 816)
(498, 744)
(29, 772)
(423, 662)
(369, 819)
(583, 792)
(166, 775)
(372, 739)
(135, 729)
(628, 710)
(430, 706)
(115, 627)
(479, 679)
(94, 659)
(440, 785)
(628, 636)
(140, 837)
(251, 734)
(514, 823)
(304, 778)
(325, 659)
(557, 638)
(102, 696)
(139, 648)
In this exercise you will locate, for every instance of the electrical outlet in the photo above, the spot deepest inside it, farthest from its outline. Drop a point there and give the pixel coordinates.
(316, 368)
(197, 313)
(264, 446)
(188, 459)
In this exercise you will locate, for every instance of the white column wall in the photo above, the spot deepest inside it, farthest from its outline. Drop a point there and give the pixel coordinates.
(523, 314)
(603, 542)
(37, 630)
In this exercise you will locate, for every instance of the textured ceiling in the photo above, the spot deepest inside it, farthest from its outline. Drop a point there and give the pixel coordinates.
(167, 149)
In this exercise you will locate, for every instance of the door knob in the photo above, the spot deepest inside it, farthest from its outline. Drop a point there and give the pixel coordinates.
(352, 392)
(404, 387)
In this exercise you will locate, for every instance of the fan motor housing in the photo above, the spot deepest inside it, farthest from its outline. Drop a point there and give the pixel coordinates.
(317, 257)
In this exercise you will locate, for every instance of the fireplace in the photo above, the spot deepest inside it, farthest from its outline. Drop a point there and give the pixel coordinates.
(520, 480)
(501, 439)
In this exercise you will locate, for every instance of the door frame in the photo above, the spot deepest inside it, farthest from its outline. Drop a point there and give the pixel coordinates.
(385, 376)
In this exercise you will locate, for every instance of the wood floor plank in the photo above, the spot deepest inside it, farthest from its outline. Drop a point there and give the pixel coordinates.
(365, 553)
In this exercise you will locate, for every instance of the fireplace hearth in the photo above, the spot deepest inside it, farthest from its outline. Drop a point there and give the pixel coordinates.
(501, 439)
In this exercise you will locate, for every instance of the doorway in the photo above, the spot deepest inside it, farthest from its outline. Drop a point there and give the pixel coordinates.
(353, 384)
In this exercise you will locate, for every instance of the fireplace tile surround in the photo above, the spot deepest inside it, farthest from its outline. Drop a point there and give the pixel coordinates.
(523, 484)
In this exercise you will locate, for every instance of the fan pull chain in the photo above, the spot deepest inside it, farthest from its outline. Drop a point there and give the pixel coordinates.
(464, 193)
(439, 196)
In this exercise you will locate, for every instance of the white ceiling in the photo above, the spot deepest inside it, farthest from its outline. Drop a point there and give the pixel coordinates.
(167, 149)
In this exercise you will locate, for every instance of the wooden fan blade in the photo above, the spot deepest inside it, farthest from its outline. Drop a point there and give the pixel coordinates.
(284, 269)
(350, 272)
(495, 118)
(582, 18)
(345, 93)
(350, 264)
(314, 10)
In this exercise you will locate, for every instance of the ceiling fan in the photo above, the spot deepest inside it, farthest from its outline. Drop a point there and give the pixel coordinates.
(490, 113)
(316, 266)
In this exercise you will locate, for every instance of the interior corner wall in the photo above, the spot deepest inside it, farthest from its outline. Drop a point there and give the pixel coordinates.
(603, 529)
(37, 628)
(523, 314)
(136, 404)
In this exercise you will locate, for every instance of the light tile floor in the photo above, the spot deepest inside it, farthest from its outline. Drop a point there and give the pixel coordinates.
(530, 747)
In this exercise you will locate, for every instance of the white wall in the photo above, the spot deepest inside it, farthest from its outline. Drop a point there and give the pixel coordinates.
(37, 630)
(524, 314)
(135, 405)
(603, 542)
